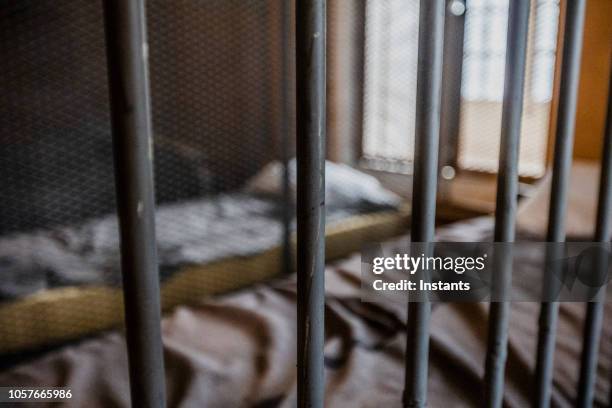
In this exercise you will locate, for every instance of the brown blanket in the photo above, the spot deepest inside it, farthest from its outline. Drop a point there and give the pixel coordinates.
(240, 351)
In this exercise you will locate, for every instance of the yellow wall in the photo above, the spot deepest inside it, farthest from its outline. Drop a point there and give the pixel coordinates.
(594, 78)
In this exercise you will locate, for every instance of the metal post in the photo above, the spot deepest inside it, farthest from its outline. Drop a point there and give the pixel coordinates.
(507, 191)
(562, 161)
(131, 127)
(452, 73)
(427, 131)
(311, 123)
(603, 230)
(286, 132)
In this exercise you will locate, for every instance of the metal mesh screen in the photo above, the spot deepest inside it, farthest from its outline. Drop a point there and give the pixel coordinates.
(211, 90)
(483, 84)
(390, 84)
(55, 142)
(216, 70)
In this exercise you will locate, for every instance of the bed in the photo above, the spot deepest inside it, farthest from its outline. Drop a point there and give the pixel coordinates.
(63, 283)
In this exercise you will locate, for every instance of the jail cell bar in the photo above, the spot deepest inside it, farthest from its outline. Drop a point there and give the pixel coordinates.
(507, 193)
(427, 133)
(311, 121)
(562, 162)
(126, 44)
(286, 128)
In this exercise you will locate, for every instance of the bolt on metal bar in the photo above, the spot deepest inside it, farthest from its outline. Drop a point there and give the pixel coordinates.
(452, 73)
(562, 161)
(126, 45)
(507, 191)
(603, 231)
(427, 133)
(311, 123)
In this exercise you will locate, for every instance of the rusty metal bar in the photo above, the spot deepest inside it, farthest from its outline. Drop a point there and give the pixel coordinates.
(286, 133)
(126, 44)
(311, 123)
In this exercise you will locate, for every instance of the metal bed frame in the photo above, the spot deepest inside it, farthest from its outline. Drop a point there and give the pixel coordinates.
(131, 124)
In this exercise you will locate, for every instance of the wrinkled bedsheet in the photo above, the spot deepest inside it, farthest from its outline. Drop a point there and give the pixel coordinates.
(240, 350)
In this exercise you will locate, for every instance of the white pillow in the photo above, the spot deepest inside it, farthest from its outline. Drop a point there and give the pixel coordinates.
(345, 187)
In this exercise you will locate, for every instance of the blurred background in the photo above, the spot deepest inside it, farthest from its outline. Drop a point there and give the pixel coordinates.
(223, 109)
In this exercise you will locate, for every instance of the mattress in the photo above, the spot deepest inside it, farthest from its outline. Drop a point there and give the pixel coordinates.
(62, 283)
(64, 313)
(239, 349)
(194, 232)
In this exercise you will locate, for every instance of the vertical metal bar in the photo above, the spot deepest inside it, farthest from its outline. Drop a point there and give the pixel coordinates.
(358, 42)
(452, 73)
(359, 81)
(286, 118)
(603, 230)
(311, 124)
(126, 44)
(427, 131)
(562, 161)
(507, 190)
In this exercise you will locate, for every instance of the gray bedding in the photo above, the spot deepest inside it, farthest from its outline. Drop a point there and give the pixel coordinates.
(188, 233)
